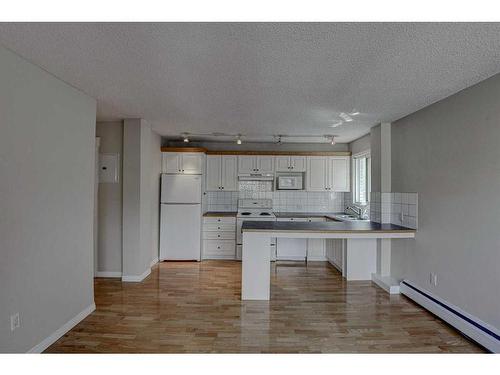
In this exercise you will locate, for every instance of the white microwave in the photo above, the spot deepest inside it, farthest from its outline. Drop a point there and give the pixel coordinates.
(290, 182)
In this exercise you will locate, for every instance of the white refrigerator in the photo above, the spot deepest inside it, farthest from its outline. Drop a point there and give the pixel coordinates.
(180, 217)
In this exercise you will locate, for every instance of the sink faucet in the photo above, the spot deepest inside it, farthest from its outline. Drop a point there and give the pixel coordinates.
(357, 210)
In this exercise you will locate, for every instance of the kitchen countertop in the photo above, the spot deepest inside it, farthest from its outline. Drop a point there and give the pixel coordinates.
(286, 215)
(324, 227)
(219, 213)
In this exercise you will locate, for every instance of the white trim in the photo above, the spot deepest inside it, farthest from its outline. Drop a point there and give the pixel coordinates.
(108, 274)
(389, 284)
(39, 348)
(335, 265)
(136, 278)
(476, 334)
(154, 261)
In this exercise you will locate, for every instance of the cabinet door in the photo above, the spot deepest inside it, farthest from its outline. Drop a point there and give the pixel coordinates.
(246, 164)
(339, 173)
(282, 163)
(192, 163)
(229, 173)
(213, 175)
(265, 164)
(298, 163)
(317, 173)
(171, 162)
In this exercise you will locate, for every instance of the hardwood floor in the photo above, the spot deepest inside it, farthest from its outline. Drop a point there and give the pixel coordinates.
(196, 308)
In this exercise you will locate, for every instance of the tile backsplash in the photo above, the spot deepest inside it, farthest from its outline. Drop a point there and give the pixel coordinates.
(283, 201)
(395, 208)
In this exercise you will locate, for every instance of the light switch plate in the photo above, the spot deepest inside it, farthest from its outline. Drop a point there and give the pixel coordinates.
(108, 168)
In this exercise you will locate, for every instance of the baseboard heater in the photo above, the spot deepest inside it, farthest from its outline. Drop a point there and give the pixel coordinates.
(479, 331)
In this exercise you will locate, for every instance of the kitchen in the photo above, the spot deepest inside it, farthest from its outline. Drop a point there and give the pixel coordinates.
(274, 186)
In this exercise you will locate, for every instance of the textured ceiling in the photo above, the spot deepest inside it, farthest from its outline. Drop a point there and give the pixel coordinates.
(257, 79)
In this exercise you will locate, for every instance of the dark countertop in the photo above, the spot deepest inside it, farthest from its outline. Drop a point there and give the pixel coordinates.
(329, 226)
(219, 213)
(287, 215)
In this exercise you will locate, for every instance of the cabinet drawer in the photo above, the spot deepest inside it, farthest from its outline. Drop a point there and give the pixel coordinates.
(219, 249)
(219, 235)
(219, 227)
(220, 219)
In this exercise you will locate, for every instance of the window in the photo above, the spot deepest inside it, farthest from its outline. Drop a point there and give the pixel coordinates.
(362, 177)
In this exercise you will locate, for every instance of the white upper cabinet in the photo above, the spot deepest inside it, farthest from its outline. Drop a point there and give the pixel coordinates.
(222, 173)
(340, 173)
(317, 173)
(182, 162)
(171, 162)
(282, 163)
(298, 163)
(255, 164)
(328, 173)
(213, 176)
(246, 164)
(265, 164)
(229, 172)
(290, 163)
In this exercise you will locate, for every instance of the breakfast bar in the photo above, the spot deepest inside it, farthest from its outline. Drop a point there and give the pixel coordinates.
(361, 249)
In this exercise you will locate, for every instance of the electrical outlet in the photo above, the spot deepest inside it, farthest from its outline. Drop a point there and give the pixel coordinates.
(15, 321)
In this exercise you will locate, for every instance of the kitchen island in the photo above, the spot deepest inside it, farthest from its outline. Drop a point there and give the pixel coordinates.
(361, 249)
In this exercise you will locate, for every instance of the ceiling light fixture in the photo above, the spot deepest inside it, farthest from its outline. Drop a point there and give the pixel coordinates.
(238, 140)
(338, 123)
(186, 139)
(345, 117)
(333, 140)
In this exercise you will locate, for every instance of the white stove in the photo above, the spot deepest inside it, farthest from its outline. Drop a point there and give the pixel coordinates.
(253, 210)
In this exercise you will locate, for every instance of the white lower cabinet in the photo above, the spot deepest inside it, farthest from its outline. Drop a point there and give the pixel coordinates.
(219, 237)
(335, 253)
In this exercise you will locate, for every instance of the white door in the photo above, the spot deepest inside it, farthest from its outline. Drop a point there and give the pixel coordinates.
(298, 163)
(192, 163)
(317, 173)
(246, 164)
(180, 233)
(339, 173)
(171, 162)
(265, 164)
(282, 163)
(180, 188)
(213, 174)
(229, 173)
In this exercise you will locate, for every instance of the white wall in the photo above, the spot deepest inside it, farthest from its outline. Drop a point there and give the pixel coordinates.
(360, 144)
(109, 252)
(448, 153)
(47, 146)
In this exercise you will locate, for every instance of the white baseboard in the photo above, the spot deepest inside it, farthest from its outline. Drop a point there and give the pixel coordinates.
(335, 265)
(108, 274)
(479, 331)
(39, 348)
(136, 278)
(154, 261)
(389, 284)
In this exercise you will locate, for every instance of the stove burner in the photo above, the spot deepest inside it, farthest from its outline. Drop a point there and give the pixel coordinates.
(265, 214)
(246, 213)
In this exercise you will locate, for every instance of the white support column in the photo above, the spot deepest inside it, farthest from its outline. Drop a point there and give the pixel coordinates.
(137, 232)
(383, 275)
(256, 266)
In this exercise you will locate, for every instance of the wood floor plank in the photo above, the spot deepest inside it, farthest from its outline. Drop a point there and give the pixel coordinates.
(196, 308)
